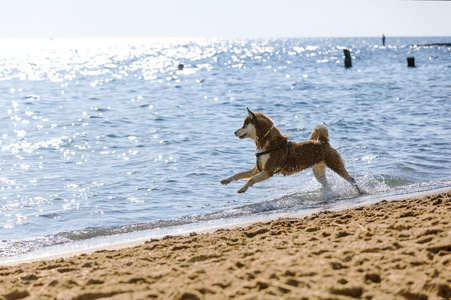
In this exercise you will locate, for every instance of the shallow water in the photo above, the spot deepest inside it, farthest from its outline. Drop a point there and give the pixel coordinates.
(101, 137)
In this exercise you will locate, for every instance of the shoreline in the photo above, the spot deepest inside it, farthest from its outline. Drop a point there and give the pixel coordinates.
(131, 239)
(398, 249)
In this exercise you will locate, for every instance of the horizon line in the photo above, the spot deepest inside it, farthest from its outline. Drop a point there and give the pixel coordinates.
(227, 37)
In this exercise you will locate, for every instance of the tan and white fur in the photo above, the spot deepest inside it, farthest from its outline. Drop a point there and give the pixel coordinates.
(278, 156)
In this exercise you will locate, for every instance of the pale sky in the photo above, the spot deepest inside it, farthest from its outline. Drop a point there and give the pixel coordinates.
(223, 18)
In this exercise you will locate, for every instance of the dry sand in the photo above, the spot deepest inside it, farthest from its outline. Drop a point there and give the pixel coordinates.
(389, 250)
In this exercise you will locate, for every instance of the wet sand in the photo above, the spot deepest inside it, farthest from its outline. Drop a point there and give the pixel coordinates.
(389, 250)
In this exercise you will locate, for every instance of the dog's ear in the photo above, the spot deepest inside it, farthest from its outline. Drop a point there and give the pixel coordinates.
(251, 114)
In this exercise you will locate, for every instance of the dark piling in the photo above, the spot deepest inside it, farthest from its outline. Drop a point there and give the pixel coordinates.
(347, 54)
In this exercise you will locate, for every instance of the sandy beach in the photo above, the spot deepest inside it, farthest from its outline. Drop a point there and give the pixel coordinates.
(389, 250)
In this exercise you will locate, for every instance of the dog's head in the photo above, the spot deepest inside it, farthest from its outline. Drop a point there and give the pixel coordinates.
(255, 126)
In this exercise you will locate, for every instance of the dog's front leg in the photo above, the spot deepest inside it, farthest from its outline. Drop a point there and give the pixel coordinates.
(263, 175)
(241, 175)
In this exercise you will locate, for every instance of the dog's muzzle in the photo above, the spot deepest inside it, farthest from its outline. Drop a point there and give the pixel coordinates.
(240, 136)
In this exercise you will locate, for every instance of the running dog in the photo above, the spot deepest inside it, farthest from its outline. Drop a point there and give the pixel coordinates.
(276, 155)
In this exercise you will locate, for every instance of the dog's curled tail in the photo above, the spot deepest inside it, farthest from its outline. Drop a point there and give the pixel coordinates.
(320, 133)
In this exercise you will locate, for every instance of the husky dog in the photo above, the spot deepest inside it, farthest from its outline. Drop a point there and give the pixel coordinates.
(276, 155)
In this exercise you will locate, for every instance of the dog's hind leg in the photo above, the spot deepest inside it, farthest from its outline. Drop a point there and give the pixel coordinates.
(344, 174)
(319, 170)
(336, 164)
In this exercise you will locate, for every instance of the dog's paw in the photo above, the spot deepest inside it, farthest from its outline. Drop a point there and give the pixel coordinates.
(241, 190)
(226, 181)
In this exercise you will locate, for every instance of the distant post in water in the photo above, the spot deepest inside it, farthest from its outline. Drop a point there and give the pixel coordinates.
(411, 62)
(347, 54)
(383, 40)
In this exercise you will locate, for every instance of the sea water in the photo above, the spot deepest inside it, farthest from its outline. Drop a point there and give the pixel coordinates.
(105, 137)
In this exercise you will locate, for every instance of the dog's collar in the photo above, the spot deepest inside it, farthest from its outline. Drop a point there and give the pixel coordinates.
(268, 132)
(258, 154)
